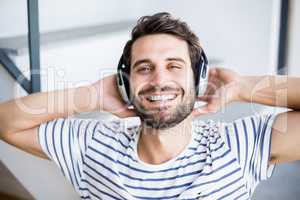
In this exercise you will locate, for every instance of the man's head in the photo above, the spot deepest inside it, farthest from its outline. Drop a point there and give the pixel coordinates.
(163, 23)
(161, 58)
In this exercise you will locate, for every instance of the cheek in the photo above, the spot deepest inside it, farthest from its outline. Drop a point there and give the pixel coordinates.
(186, 81)
(135, 84)
(132, 85)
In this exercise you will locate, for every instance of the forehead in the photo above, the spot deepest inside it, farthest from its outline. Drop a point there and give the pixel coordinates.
(159, 46)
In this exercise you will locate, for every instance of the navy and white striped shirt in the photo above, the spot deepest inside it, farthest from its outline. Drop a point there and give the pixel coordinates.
(222, 160)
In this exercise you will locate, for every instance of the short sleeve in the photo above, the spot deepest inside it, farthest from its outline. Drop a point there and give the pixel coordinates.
(65, 142)
(250, 140)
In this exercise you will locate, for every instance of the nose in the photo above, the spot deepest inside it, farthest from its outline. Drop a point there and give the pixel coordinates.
(158, 77)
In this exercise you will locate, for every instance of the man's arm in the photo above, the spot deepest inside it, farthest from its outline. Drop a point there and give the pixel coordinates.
(280, 91)
(20, 118)
(29, 111)
(226, 86)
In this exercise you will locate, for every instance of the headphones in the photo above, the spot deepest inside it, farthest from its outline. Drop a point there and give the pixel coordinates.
(201, 77)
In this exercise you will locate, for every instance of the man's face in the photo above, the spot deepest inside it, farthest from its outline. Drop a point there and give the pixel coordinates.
(161, 80)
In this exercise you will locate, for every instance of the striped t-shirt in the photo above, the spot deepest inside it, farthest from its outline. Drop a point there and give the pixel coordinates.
(222, 160)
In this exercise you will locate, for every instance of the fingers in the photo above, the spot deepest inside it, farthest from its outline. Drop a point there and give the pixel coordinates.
(125, 112)
(207, 109)
(214, 104)
(213, 71)
(199, 111)
(204, 98)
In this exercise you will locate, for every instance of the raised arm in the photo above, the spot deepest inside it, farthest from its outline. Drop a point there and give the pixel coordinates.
(20, 118)
(283, 91)
(277, 90)
(280, 91)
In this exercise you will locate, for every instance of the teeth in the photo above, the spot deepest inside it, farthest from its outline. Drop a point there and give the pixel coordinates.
(161, 97)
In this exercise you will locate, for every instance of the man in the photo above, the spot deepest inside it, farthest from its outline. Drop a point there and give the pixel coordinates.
(169, 155)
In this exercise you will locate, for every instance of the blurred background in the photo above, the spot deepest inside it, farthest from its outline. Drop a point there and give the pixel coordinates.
(74, 42)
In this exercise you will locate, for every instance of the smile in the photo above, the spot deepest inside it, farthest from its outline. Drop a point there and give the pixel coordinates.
(156, 98)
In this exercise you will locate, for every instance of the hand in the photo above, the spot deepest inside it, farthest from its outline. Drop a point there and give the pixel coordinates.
(223, 87)
(110, 99)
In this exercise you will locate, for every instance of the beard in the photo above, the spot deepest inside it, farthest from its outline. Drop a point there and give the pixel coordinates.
(164, 117)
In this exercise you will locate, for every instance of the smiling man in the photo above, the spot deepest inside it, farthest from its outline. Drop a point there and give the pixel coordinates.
(170, 154)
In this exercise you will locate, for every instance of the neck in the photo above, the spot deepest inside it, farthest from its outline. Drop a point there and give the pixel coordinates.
(156, 146)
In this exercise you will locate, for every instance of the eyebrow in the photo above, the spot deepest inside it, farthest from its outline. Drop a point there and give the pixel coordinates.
(140, 62)
(176, 59)
(146, 60)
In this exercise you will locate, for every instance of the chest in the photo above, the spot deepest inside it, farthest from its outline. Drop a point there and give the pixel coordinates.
(222, 179)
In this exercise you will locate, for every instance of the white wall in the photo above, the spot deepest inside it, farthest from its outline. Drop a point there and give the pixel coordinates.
(57, 14)
(78, 62)
(236, 32)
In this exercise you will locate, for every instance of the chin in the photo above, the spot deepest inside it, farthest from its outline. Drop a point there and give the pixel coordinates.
(163, 119)
(164, 116)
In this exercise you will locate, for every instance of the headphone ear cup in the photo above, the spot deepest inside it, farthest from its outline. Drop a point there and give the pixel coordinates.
(198, 74)
(123, 85)
(201, 76)
(203, 81)
(123, 81)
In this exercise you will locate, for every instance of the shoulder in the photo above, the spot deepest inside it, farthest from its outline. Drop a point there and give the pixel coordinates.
(208, 135)
(207, 128)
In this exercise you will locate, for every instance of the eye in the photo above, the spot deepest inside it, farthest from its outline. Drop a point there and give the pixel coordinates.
(175, 66)
(144, 69)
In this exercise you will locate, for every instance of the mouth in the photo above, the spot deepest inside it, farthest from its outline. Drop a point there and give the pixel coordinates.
(160, 101)
(161, 98)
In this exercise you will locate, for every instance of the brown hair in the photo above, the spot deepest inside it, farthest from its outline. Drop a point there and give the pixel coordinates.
(163, 23)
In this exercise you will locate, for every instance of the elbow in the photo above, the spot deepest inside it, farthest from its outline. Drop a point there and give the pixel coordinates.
(4, 129)
(3, 134)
